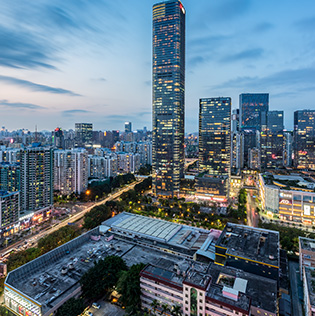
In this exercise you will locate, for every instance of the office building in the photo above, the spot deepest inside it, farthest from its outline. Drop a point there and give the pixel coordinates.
(36, 178)
(253, 116)
(236, 152)
(128, 127)
(304, 139)
(235, 120)
(9, 211)
(309, 291)
(10, 176)
(272, 140)
(83, 134)
(168, 96)
(71, 171)
(254, 158)
(179, 268)
(215, 138)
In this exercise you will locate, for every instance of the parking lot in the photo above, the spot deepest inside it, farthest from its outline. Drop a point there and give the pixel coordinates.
(107, 309)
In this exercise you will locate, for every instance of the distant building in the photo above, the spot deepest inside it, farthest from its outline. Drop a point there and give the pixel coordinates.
(272, 140)
(168, 96)
(306, 253)
(309, 291)
(128, 162)
(71, 171)
(83, 134)
(58, 138)
(36, 178)
(253, 116)
(254, 158)
(215, 137)
(236, 152)
(287, 149)
(128, 127)
(304, 139)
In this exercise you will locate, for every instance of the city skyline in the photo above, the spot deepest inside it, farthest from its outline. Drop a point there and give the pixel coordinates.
(78, 57)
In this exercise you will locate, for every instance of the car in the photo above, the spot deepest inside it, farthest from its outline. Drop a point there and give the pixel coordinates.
(89, 313)
(96, 305)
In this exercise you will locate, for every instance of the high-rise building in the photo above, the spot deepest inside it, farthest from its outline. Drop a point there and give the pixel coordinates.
(214, 145)
(58, 138)
(71, 171)
(168, 96)
(287, 149)
(215, 136)
(128, 127)
(9, 176)
(253, 110)
(9, 210)
(253, 116)
(36, 178)
(272, 140)
(83, 133)
(304, 139)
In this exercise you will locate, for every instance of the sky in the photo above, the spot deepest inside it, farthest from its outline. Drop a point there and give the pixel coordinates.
(71, 61)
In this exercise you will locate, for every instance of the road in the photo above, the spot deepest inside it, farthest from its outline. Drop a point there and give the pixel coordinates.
(71, 219)
(252, 216)
(296, 306)
(107, 309)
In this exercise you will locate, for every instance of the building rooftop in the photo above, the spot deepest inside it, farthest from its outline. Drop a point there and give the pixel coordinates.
(310, 280)
(250, 243)
(249, 289)
(307, 243)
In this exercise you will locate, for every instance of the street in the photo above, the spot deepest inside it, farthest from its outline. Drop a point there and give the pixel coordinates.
(294, 283)
(34, 238)
(252, 216)
(107, 309)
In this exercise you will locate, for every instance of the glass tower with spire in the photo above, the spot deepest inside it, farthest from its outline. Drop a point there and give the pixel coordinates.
(168, 96)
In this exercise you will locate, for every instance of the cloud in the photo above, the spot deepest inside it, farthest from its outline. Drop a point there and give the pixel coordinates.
(99, 79)
(20, 105)
(35, 86)
(290, 78)
(307, 24)
(248, 54)
(73, 112)
(263, 27)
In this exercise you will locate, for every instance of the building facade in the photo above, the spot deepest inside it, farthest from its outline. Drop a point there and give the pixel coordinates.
(304, 139)
(9, 210)
(83, 134)
(71, 171)
(10, 176)
(168, 96)
(36, 178)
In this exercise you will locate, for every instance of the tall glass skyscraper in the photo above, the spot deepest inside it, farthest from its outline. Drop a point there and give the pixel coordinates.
(215, 136)
(304, 139)
(168, 96)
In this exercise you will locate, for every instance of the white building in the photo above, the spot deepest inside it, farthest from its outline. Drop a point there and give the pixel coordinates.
(71, 171)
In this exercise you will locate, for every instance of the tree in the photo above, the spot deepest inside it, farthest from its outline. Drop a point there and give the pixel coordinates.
(164, 309)
(102, 277)
(176, 310)
(128, 286)
(155, 305)
(72, 307)
(96, 216)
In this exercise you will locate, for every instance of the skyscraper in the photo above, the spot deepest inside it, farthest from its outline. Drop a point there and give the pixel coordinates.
(304, 139)
(168, 96)
(83, 133)
(253, 116)
(215, 136)
(214, 146)
(36, 178)
(272, 140)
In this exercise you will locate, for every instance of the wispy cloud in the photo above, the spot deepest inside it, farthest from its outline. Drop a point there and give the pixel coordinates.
(35, 86)
(20, 105)
(99, 79)
(307, 24)
(249, 54)
(287, 78)
(74, 112)
(263, 27)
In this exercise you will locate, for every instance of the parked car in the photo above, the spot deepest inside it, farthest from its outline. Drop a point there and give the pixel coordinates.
(96, 305)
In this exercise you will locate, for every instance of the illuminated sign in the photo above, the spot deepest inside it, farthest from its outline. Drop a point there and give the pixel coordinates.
(286, 196)
(286, 202)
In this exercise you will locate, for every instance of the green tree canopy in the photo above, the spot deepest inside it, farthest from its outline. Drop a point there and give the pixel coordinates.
(96, 216)
(73, 307)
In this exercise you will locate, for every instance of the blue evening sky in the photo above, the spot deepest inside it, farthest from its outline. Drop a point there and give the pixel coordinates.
(67, 61)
